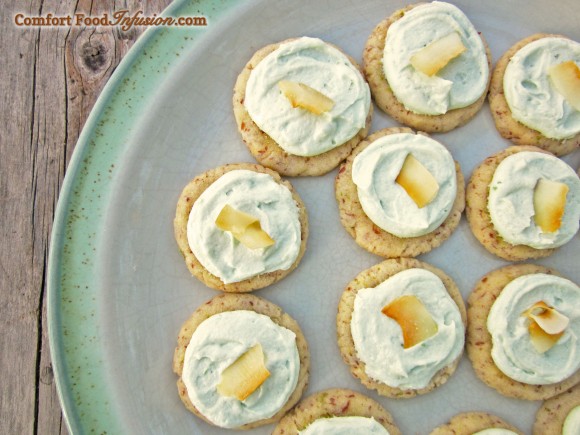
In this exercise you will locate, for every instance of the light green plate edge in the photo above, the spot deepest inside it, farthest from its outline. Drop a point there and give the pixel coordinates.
(73, 328)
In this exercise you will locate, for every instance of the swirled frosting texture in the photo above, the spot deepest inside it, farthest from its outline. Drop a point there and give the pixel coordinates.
(385, 202)
(322, 67)
(260, 196)
(217, 343)
(530, 95)
(352, 425)
(460, 83)
(571, 424)
(495, 431)
(378, 339)
(512, 350)
(511, 199)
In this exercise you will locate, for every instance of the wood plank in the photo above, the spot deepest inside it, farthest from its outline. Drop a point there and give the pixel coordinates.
(20, 260)
(51, 78)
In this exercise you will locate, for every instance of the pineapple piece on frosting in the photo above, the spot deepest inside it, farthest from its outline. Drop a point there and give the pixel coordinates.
(245, 375)
(433, 57)
(546, 326)
(417, 181)
(565, 77)
(549, 204)
(413, 318)
(244, 227)
(305, 97)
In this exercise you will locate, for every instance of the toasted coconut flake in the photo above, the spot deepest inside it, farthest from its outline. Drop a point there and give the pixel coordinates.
(432, 58)
(245, 375)
(565, 77)
(549, 204)
(301, 95)
(541, 340)
(413, 318)
(547, 318)
(417, 181)
(244, 227)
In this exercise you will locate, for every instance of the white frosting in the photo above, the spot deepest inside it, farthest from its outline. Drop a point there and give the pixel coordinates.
(495, 431)
(530, 95)
(378, 339)
(322, 67)
(345, 426)
(217, 343)
(258, 195)
(460, 83)
(511, 199)
(571, 425)
(385, 202)
(512, 349)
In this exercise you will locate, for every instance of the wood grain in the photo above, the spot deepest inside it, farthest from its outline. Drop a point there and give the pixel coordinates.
(51, 77)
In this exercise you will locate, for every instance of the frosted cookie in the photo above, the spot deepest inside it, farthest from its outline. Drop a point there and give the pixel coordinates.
(523, 203)
(476, 423)
(400, 194)
(511, 348)
(400, 327)
(560, 414)
(428, 67)
(525, 98)
(240, 227)
(242, 362)
(301, 106)
(335, 412)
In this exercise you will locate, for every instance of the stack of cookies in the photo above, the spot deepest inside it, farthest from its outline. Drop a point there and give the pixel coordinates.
(304, 108)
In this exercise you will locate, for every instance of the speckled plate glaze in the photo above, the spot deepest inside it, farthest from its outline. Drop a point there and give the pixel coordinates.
(118, 288)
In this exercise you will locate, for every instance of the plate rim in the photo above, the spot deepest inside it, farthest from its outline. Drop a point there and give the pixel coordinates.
(68, 404)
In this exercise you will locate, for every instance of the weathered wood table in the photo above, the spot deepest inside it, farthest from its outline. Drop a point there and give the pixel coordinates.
(50, 78)
(53, 71)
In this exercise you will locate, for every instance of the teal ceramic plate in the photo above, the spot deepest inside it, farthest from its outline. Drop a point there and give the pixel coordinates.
(118, 287)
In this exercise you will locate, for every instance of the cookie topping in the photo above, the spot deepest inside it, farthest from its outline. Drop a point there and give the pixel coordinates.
(533, 87)
(406, 183)
(305, 97)
(422, 64)
(417, 181)
(572, 423)
(351, 425)
(240, 367)
(527, 211)
(245, 375)
(549, 204)
(546, 326)
(244, 227)
(566, 79)
(257, 209)
(378, 338)
(528, 348)
(415, 321)
(320, 67)
(495, 431)
(437, 54)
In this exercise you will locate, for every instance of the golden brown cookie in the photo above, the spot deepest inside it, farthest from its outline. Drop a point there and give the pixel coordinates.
(374, 239)
(553, 412)
(469, 423)
(387, 101)
(233, 302)
(335, 402)
(371, 278)
(479, 342)
(191, 193)
(266, 151)
(478, 215)
(507, 126)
